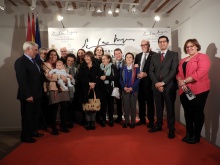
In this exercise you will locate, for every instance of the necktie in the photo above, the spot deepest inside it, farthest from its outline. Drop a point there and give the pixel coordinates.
(34, 61)
(119, 64)
(162, 57)
(143, 62)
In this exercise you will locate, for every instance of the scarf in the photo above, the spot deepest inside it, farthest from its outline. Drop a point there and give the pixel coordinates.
(124, 75)
(107, 71)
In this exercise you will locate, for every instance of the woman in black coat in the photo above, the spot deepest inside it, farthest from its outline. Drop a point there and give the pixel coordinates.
(110, 75)
(89, 79)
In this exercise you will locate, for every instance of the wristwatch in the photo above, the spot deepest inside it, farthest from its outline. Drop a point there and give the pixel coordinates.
(185, 81)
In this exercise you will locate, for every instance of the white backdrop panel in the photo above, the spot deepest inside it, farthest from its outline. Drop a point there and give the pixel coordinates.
(127, 39)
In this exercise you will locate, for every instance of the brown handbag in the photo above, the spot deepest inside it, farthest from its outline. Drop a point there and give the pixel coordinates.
(92, 104)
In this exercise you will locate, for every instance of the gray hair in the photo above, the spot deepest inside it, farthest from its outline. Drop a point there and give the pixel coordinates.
(29, 44)
(42, 49)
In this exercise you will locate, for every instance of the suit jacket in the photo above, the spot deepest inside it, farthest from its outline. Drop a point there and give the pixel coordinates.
(165, 71)
(117, 83)
(29, 78)
(146, 81)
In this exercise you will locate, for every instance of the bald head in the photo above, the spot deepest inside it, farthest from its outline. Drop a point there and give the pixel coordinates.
(63, 52)
(145, 46)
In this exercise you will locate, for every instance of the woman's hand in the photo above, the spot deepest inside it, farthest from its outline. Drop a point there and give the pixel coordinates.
(181, 83)
(92, 85)
(71, 77)
(103, 78)
(63, 78)
(184, 87)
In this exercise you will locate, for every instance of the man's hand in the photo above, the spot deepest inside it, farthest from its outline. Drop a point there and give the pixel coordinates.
(30, 99)
(141, 75)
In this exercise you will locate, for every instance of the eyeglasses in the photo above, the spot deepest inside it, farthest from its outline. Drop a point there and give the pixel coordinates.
(144, 45)
(190, 46)
(160, 42)
(64, 51)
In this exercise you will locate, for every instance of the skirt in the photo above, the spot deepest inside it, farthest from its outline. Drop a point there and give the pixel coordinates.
(58, 96)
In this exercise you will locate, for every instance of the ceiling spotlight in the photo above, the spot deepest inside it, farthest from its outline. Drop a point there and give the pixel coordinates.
(100, 9)
(2, 5)
(92, 8)
(33, 4)
(117, 10)
(132, 8)
(110, 11)
(157, 18)
(59, 18)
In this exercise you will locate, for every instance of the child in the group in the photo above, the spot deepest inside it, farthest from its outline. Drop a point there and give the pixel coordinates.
(61, 71)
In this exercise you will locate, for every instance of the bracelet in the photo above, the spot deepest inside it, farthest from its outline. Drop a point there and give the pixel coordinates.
(185, 81)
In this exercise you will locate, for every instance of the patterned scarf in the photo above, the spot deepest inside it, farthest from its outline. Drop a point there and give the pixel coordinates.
(107, 71)
(124, 74)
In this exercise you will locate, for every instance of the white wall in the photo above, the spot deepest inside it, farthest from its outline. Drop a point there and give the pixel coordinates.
(202, 22)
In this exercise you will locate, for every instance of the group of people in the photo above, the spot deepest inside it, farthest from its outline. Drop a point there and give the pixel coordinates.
(51, 83)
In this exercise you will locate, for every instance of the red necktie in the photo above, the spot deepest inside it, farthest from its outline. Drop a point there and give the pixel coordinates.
(162, 57)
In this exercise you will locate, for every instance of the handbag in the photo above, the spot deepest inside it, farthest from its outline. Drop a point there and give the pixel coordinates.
(93, 104)
(115, 91)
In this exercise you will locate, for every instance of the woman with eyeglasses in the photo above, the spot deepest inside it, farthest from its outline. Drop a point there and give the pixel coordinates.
(193, 75)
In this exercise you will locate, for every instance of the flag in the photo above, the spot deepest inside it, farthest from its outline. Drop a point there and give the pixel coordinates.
(28, 36)
(33, 29)
(37, 36)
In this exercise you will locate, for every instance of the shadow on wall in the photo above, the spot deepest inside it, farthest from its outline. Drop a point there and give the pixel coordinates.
(176, 48)
(10, 110)
(212, 109)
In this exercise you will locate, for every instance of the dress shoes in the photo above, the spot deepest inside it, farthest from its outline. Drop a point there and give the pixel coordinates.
(140, 123)
(70, 125)
(92, 125)
(55, 132)
(150, 125)
(155, 129)
(132, 125)
(125, 125)
(111, 123)
(171, 134)
(65, 130)
(37, 134)
(193, 140)
(118, 120)
(102, 123)
(28, 140)
(186, 138)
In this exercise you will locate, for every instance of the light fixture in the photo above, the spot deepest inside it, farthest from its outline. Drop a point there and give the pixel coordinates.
(132, 8)
(33, 4)
(60, 18)
(110, 11)
(156, 18)
(92, 8)
(117, 10)
(100, 9)
(2, 5)
(69, 6)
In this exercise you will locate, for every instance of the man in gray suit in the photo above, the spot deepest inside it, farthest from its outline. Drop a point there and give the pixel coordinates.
(119, 63)
(162, 72)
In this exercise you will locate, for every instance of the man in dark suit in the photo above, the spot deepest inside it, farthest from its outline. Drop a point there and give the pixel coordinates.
(30, 83)
(119, 63)
(162, 72)
(145, 93)
(63, 52)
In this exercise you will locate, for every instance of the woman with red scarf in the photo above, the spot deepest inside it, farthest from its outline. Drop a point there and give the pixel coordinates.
(130, 84)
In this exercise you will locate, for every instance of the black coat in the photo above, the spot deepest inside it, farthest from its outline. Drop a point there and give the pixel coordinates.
(87, 75)
(30, 79)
